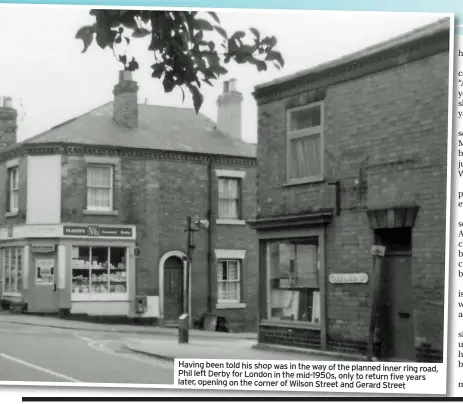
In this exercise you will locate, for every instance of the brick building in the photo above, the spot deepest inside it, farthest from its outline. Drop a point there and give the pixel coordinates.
(353, 153)
(96, 210)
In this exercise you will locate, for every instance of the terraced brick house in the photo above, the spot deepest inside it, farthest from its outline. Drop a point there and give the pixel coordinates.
(353, 154)
(94, 218)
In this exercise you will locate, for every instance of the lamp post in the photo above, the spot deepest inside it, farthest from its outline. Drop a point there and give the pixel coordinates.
(184, 320)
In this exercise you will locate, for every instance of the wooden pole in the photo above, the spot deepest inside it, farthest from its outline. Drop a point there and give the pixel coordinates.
(184, 321)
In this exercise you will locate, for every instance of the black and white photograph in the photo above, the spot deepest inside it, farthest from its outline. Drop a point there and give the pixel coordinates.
(220, 185)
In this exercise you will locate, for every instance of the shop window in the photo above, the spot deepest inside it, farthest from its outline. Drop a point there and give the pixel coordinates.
(293, 269)
(99, 187)
(99, 270)
(12, 259)
(228, 281)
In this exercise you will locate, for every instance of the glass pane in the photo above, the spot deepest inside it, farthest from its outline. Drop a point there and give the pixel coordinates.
(99, 176)
(81, 269)
(293, 281)
(305, 157)
(117, 270)
(233, 294)
(305, 118)
(233, 271)
(222, 291)
(99, 279)
(306, 266)
(6, 269)
(19, 270)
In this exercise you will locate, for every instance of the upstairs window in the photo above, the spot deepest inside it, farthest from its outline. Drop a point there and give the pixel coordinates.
(305, 143)
(13, 189)
(99, 187)
(229, 198)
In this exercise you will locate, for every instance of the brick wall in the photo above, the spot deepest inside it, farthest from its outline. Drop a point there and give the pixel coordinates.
(394, 123)
(157, 196)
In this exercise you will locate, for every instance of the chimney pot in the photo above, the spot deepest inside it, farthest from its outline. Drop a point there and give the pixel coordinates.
(8, 119)
(229, 110)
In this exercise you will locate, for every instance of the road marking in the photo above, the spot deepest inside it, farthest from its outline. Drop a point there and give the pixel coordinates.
(41, 369)
(100, 346)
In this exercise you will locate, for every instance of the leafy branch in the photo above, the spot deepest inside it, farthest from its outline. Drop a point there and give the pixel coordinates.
(189, 48)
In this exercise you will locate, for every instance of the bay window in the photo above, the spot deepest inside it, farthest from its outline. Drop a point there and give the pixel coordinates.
(12, 263)
(293, 280)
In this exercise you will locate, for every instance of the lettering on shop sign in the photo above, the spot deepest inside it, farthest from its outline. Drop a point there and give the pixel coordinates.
(348, 278)
(97, 231)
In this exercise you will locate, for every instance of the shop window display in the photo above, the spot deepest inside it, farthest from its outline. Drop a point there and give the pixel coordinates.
(99, 270)
(293, 270)
(12, 269)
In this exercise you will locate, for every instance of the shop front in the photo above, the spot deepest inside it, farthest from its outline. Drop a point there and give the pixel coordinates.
(80, 269)
(292, 297)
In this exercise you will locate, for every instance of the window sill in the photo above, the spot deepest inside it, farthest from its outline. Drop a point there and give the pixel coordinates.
(12, 214)
(231, 221)
(11, 294)
(290, 324)
(99, 297)
(230, 306)
(101, 212)
(304, 181)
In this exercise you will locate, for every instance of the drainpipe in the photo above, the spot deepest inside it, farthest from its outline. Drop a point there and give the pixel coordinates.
(210, 233)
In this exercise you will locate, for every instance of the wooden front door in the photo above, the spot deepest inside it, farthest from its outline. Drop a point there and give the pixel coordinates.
(397, 326)
(173, 289)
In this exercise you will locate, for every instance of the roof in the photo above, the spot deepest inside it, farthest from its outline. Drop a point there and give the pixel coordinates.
(428, 30)
(159, 128)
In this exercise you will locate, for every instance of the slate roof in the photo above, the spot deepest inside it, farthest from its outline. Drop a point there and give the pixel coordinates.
(428, 30)
(160, 128)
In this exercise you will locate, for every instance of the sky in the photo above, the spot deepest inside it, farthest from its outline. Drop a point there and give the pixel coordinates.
(51, 80)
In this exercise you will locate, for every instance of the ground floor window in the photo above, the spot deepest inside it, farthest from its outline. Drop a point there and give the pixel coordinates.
(98, 270)
(12, 261)
(228, 281)
(293, 280)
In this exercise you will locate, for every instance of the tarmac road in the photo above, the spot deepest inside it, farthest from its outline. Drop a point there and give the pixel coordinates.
(43, 354)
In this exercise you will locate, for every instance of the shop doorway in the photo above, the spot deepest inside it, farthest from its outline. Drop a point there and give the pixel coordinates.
(173, 290)
(396, 309)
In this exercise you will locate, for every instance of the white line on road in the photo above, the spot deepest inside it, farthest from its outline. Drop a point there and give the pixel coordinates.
(41, 369)
(101, 347)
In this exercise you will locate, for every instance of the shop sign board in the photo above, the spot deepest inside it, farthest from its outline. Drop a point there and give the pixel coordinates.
(45, 271)
(348, 278)
(97, 231)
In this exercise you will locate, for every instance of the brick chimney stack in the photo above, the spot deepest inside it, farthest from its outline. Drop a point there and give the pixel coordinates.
(125, 112)
(8, 123)
(229, 110)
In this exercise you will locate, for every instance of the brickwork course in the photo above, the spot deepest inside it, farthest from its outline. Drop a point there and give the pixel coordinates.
(385, 112)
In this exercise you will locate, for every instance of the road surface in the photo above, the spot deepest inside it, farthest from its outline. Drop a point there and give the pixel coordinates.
(43, 354)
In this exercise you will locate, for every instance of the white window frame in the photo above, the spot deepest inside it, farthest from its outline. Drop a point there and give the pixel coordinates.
(109, 296)
(233, 175)
(111, 188)
(237, 281)
(232, 255)
(12, 171)
(12, 292)
(304, 133)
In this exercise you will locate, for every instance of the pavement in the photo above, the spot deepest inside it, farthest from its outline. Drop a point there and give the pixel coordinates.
(38, 348)
(54, 322)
